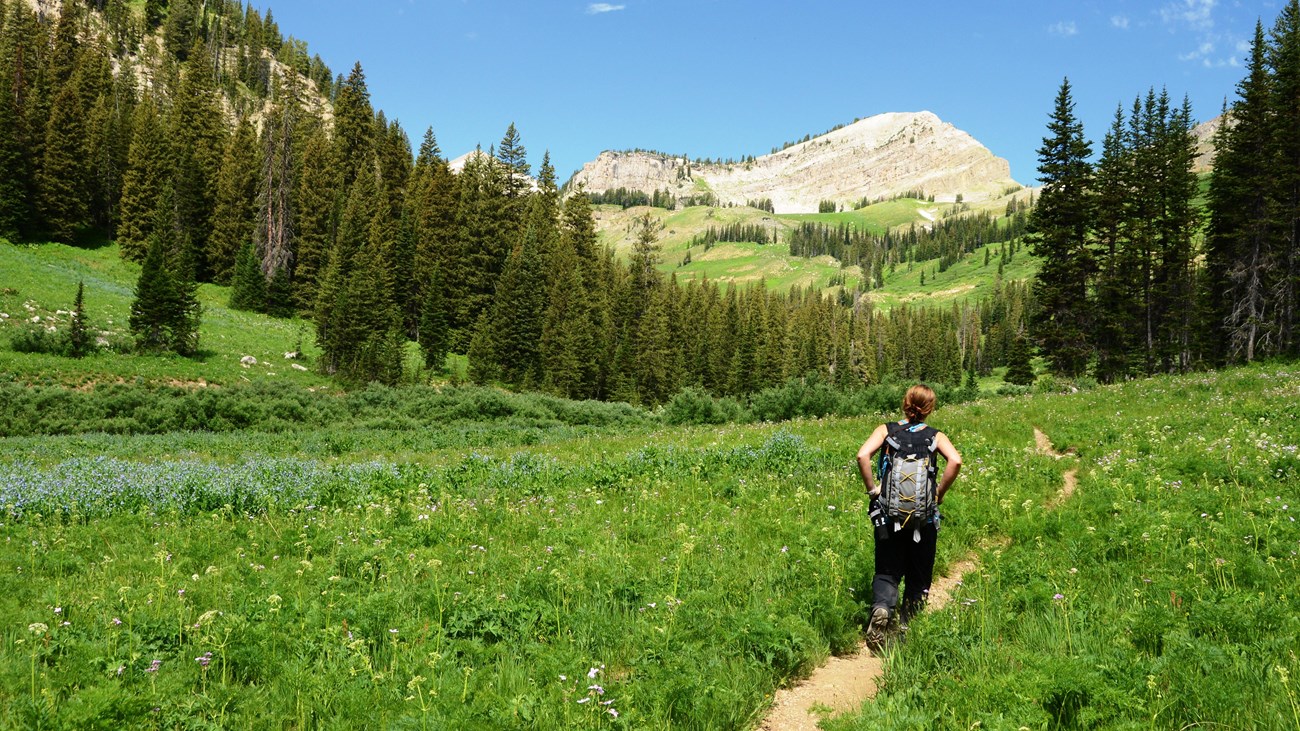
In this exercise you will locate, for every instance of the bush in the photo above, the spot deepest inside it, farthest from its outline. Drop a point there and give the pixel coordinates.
(693, 405)
(36, 339)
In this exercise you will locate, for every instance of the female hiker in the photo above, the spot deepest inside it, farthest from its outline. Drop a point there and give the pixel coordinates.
(904, 507)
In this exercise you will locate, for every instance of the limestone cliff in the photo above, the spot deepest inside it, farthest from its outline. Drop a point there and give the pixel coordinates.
(873, 158)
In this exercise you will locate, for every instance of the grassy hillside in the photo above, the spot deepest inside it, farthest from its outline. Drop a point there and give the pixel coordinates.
(40, 281)
(749, 263)
(646, 577)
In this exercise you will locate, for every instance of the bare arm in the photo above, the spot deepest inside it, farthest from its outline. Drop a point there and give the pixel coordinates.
(868, 450)
(952, 466)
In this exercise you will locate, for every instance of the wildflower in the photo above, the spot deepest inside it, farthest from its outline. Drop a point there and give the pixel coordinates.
(593, 672)
(58, 610)
(1073, 570)
(612, 712)
(153, 666)
(204, 659)
(1058, 597)
(117, 622)
(785, 549)
(584, 699)
(38, 628)
(121, 669)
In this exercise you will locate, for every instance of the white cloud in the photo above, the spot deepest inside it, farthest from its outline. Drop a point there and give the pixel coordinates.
(598, 8)
(1194, 14)
(1119, 21)
(1064, 28)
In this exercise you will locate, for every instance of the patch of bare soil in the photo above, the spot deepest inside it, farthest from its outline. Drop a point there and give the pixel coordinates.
(845, 683)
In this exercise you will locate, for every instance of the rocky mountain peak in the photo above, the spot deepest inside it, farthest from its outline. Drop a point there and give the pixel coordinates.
(876, 157)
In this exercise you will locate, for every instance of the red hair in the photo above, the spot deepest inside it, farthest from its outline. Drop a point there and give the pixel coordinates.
(919, 402)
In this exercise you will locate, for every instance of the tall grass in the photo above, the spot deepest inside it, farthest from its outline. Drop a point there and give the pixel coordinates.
(672, 576)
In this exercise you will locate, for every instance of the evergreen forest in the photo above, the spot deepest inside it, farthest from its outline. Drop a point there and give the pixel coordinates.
(212, 148)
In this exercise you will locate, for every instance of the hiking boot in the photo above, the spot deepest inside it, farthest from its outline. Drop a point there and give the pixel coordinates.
(877, 627)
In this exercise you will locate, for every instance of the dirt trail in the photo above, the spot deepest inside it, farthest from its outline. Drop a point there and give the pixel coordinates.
(844, 683)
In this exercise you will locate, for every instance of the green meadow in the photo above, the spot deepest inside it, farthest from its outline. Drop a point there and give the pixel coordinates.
(747, 263)
(39, 282)
(639, 576)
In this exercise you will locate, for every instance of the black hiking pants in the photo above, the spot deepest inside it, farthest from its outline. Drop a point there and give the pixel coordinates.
(901, 558)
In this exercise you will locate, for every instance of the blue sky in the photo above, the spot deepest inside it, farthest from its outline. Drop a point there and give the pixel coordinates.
(716, 78)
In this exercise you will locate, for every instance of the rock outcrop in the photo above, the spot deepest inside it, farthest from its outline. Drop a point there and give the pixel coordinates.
(1204, 134)
(873, 158)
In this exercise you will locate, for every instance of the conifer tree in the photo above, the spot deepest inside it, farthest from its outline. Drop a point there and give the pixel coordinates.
(79, 344)
(316, 209)
(1020, 371)
(656, 368)
(514, 161)
(236, 204)
(1284, 57)
(108, 143)
(515, 324)
(198, 140)
(354, 127)
(1239, 250)
(435, 322)
(146, 173)
(248, 284)
(273, 232)
(1116, 285)
(566, 348)
(481, 251)
(13, 192)
(26, 50)
(62, 183)
(155, 301)
(1059, 237)
(431, 204)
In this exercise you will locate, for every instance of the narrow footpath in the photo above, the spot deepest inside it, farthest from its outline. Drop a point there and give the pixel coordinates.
(845, 683)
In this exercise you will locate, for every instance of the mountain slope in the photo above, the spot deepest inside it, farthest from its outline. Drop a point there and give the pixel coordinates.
(877, 157)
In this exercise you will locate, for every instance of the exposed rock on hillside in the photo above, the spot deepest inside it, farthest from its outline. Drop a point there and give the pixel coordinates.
(876, 157)
(1204, 134)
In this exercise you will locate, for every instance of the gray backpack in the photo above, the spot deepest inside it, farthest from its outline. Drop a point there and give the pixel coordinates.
(907, 474)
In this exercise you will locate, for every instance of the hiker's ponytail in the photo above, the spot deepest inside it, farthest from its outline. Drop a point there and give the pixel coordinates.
(919, 402)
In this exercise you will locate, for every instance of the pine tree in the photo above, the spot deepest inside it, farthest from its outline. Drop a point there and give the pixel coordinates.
(236, 209)
(656, 368)
(248, 284)
(435, 323)
(273, 232)
(1239, 251)
(514, 161)
(155, 300)
(431, 207)
(1020, 371)
(79, 344)
(146, 173)
(198, 140)
(61, 181)
(1116, 285)
(108, 143)
(178, 30)
(1059, 237)
(354, 127)
(515, 323)
(13, 193)
(481, 250)
(1284, 57)
(316, 208)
